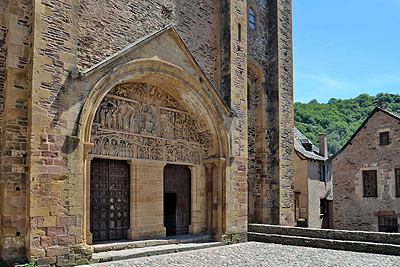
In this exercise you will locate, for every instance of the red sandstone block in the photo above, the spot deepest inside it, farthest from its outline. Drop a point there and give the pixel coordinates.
(58, 162)
(66, 240)
(48, 161)
(49, 154)
(51, 138)
(57, 251)
(46, 241)
(6, 221)
(55, 147)
(54, 231)
(65, 220)
(36, 222)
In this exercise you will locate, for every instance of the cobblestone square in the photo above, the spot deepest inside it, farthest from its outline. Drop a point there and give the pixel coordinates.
(262, 254)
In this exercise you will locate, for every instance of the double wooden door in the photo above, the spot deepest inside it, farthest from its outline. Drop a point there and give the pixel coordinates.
(109, 199)
(177, 196)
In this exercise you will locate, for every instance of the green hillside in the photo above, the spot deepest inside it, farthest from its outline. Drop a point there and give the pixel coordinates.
(339, 118)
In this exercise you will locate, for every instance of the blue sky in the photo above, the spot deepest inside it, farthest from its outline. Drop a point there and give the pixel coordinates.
(345, 48)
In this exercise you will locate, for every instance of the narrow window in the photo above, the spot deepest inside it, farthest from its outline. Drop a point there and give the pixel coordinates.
(384, 139)
(239, 33)
(322, 176)
(252, 19)
(397, 175)
(370, 184)
(323, 207)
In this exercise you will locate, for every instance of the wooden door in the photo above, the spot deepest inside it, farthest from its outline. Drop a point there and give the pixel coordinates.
(109, 199)
(177, 196)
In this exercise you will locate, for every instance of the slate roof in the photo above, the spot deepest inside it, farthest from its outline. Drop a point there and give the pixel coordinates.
(299, 139)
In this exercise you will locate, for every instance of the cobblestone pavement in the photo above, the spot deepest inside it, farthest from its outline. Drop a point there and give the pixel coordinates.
(262, 254)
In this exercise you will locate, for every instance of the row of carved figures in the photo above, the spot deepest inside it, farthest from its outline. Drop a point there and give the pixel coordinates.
(121, 148)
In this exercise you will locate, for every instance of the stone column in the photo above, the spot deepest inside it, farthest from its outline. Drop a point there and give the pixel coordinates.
(277, 184)
(209, 192)
(87, 160)
(133, 199)
(15, 18)
(233, 86)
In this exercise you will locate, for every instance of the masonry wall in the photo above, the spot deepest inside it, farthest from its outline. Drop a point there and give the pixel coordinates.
(105, 27)
(14, 127)
(271, 159)
(257, 105)
(3, 9)
(353, 211)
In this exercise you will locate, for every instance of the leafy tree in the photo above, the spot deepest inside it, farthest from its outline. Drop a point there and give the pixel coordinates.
(339, 119)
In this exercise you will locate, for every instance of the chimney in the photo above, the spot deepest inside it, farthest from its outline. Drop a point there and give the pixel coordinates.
(323, 145)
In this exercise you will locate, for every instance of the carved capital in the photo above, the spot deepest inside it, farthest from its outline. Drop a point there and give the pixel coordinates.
(86, 148)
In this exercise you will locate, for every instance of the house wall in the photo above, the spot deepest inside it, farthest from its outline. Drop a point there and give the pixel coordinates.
(317, 190)
(353, 211)
(301, 183)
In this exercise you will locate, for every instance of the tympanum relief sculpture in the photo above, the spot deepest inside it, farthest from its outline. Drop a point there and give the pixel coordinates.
(138, 120)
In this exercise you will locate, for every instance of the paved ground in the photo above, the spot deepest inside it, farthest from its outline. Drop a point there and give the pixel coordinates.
(262, 254)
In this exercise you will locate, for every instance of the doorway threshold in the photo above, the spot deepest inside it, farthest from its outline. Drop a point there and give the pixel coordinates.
(104, 246)
(129, 249)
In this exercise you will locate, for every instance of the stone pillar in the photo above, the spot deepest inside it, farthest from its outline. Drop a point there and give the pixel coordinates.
(133, 200)
(15, 24)
(88, 237)
(53, 179)
(233, 86)
(277, 185)
(209, 192)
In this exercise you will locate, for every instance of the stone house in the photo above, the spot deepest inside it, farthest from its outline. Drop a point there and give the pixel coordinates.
(366, 176)
(137, 119)
(312, 182)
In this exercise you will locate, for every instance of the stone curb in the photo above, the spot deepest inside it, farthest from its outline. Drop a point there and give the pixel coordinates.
(368, 247)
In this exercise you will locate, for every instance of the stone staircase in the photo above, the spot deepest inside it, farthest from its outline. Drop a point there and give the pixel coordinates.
(121, 250)
(370, 242)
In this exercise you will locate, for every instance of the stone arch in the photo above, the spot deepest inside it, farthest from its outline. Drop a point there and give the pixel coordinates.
(256, 124)
(182, 86)
(196, 97)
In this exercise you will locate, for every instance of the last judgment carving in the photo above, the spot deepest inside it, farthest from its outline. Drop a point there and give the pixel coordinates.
(138, 120)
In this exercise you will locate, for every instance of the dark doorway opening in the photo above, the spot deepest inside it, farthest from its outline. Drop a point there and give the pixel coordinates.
(177, 204)
(109, 199)
(170, 213)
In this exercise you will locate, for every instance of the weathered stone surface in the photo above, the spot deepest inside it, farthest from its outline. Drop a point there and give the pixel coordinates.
(191, 110)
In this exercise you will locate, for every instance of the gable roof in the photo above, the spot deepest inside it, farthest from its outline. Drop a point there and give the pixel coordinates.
(299, 140)
(375, 110)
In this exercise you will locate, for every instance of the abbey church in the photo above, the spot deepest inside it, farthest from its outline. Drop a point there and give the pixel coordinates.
(128, 120)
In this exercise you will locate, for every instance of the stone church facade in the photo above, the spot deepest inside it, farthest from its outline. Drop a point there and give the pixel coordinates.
(138, 119)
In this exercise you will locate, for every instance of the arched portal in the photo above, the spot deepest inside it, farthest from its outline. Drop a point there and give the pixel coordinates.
(150, 114)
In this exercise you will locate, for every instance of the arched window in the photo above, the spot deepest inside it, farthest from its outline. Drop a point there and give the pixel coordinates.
(252, 19)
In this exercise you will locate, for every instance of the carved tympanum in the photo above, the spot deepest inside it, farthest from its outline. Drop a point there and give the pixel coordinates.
(138, 120)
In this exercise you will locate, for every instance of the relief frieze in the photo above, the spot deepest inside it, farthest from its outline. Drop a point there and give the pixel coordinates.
(137, 120)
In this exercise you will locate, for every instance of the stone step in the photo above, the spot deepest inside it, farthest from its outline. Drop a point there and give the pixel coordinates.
(362, 236)
(138, 252)
(359, 246)
(130, 244)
